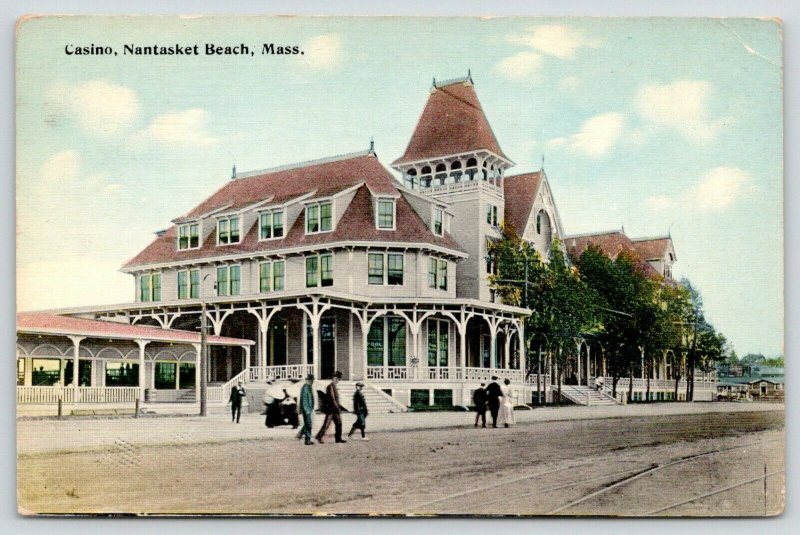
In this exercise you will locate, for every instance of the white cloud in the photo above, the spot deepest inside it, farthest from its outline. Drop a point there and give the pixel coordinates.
(323, 52)
(715, 191)
(61, 167)
(520, 66)
(681, 105)
(596, 137)
(184, 128)
(555, 40)
(100, 107)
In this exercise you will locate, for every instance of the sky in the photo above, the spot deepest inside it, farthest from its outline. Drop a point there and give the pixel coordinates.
(658, 125)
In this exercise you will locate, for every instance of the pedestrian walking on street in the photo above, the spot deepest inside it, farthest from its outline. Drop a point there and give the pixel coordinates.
(333, 411)
(237, 393)
(479, 399)
(307, 408)
(507, 405)
(493, 395)
(361, 412)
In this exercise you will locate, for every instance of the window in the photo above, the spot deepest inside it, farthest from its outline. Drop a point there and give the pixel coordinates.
(385, 268)
(490, 265)
(420, 398)
(438, 217)
(437, 273)
(270, 276)
(438, 338)
(319, 271)
(229, 280)
(386, 342)
(165, 375)
(271, 225)
(491, 215)
(228, 230)
(189, 284)
(386, 213)
(122, 373)
(187, 375)
(189, 236)
(319, 218)
(20, 372)
(443, 398)
(45, 372)
(150, 287)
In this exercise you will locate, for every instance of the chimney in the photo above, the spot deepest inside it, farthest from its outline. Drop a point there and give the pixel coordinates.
(233, 173)
(160, 233)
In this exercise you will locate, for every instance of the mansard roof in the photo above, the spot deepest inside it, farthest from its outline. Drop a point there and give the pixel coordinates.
(46, 323)
(611, 243)
(520, 194)
(452, 122)
(652, 248)
(362, 171)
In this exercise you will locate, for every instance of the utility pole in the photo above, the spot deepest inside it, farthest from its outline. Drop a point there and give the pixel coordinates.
(203, 356)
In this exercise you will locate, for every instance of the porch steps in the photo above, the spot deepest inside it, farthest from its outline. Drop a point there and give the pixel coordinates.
(378, 401)
(585, 395)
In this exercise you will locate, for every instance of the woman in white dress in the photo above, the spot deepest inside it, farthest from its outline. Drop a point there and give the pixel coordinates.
(507, 404)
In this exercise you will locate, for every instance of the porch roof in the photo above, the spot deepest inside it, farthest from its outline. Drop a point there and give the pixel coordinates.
(44, 323)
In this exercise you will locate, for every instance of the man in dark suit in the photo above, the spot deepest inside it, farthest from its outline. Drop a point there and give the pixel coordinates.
(361, 412)
(493, 395)
(332, 410)
(479, 399)
(237, 393)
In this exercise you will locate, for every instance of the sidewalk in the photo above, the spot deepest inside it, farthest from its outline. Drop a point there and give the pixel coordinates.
(77, 434)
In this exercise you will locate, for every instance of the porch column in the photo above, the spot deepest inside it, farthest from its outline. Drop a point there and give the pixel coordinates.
(315, 345)
(507, 348)
(76, 348)
(643, 370)
(262, 357)
(364, 333)
(579, 362)
(493, 349)
(589, 364)
(246, 357)
(521, 336)
(197, 373)
(142, 344)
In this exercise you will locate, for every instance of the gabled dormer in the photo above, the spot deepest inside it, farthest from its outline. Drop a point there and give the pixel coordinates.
(453, 146)
(658, 251)
(531, 209)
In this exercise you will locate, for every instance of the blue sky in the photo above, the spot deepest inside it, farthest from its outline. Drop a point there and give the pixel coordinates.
(655, 124)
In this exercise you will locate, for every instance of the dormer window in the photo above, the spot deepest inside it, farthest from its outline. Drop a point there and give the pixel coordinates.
(189, 236)
(271, 225)
(438, 218)
(228, 230)
(386, 214)
(319, 217)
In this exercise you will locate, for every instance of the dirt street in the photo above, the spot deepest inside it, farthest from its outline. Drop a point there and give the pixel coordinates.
(695, 464)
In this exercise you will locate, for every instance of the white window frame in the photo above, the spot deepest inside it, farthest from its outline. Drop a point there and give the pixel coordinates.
(271, 276)
(271, 214)
(228, 267)
(385, 271)
(151, 292)
(319, 205)
(188, 272)
(318, 256)
(188, 227)
(437, 210)
(437, 283)
(239, 219)
(494, 219)
(378, 202)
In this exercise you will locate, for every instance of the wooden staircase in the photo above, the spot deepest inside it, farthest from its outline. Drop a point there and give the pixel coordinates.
(585, 395)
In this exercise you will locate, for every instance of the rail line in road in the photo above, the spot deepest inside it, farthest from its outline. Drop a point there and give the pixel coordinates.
(632, 475)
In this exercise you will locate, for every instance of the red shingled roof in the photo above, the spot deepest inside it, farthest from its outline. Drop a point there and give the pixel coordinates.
(451, 123)
(651, 248)
(357, 222)
(40, 322)
(611, 243)
(520, 192)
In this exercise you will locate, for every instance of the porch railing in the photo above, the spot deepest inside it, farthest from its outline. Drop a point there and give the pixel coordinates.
(291, 371)
(452, 373)
(659, 384)
(81, 394)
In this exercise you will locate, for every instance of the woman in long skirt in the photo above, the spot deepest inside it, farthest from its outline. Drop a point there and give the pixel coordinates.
(507, 404)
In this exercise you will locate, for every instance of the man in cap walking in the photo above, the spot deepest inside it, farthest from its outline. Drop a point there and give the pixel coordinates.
(307, 408)
(361, 412)
(237, 393)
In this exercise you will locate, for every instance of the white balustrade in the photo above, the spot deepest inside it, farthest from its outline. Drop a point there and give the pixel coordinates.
(81, 394)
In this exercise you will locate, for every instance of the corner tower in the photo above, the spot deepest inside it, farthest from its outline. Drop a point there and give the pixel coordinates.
(454, 156)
